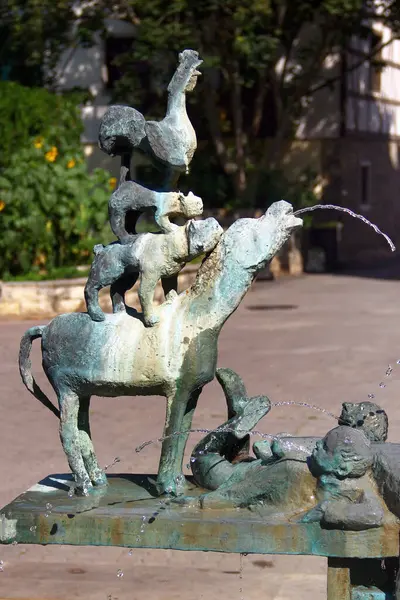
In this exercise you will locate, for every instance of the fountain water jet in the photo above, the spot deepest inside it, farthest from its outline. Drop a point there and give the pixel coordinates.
(306, 209)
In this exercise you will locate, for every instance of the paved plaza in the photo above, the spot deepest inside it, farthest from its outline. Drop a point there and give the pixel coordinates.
(317, 339)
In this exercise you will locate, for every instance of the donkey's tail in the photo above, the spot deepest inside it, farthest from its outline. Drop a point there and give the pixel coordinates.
(25, 367)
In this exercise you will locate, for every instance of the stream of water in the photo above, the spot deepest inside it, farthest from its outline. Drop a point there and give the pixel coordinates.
(349, 212)
(225, 429)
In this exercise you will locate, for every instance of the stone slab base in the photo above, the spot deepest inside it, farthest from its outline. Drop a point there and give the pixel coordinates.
(128, 513)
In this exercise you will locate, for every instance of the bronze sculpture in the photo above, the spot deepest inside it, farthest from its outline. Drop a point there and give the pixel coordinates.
(336, 497)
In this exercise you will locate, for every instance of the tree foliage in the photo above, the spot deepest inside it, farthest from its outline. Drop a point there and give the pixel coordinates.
(34, 33)
(29, 112)
(52, 210)
(263, 61)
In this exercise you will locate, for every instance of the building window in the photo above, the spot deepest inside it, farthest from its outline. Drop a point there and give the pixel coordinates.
(365, 184)
(375, 63)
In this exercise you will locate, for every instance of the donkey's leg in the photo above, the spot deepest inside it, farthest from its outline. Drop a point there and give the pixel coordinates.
(181, 440)
(70, 439)
(95, 472)
(179, 415)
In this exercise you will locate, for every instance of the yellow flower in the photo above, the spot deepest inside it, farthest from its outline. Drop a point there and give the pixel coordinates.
(38, 142)
(2, 205)
(51, 155)
(40, 260)
(48, 226)
(70, 164)
(112, 182)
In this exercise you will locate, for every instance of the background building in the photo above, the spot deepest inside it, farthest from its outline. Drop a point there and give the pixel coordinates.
(349, 135)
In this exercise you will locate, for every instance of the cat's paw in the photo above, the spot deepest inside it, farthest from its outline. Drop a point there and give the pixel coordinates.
(151, 321)
(119, 307)
(170, 297)
(96, 314)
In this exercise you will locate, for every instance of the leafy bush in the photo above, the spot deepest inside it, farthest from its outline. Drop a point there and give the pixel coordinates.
(52, 210)
(29, 112)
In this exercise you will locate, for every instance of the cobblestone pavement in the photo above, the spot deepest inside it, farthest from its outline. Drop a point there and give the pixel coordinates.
(317, 339)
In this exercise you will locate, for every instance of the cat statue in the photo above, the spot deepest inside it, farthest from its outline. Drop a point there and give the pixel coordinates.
(151, 256)
(134, 198)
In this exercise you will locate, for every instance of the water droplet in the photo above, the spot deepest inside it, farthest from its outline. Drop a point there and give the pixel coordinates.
(143, 525)
(49, 506)
(130, 552)
(1, 566)
(169, 490)
(71, 492)
(14, 543)
(116, 460)
(120, 573)
(303, 404)
(241, 575)
(382, 385)
(46, 515)
(398, 362)
(371, 395)
(389, 370)
(192, 459)
(33, 528)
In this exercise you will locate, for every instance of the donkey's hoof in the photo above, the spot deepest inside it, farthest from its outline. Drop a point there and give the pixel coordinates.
(83, 487)
(173, 486)
(99, 478)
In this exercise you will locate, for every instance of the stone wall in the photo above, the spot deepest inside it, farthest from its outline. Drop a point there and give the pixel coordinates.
(44, 299)
(31, 299)
(342, 162)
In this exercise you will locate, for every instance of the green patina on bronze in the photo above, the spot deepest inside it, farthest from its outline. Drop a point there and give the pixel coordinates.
(338, 496)
(113, 516)
(170, 350)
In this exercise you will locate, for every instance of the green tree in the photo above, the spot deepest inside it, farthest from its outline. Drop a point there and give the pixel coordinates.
(29, 112)
(34, 34)
(52, 210)
(263, 61)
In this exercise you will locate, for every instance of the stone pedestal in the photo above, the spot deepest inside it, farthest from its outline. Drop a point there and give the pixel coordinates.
(362, 565)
